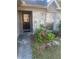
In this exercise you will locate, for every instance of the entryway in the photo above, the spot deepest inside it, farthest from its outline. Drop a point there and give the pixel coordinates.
(27, 21)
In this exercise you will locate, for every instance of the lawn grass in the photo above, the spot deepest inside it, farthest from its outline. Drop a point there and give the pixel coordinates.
(53, 52)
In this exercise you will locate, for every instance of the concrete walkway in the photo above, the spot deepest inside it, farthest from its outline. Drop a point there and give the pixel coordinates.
(24, 47)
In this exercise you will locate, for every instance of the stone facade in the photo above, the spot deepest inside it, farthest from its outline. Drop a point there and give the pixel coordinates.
(39, 17)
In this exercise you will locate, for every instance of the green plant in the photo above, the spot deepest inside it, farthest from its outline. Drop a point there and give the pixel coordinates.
(37, 35)
(50, 36)
(42, 36)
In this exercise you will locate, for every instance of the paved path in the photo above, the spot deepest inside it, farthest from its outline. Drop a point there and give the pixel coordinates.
(24, 47)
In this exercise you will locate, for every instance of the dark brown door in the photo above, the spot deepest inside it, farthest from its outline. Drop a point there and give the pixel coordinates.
(27, 21)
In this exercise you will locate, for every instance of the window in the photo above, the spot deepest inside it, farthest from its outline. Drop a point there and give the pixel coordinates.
(26, 17)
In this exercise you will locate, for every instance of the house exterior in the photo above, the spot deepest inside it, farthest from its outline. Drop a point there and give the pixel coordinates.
(32, 13)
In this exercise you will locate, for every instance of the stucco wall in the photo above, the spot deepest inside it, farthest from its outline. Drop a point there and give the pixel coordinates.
(18, 26)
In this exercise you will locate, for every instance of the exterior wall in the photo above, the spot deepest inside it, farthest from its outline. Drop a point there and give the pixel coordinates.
(56, 14)
(50, 20)
(39, 17)
(45, 18)
(52, 8)
(18, 26)
(21, 23)
(49, 17)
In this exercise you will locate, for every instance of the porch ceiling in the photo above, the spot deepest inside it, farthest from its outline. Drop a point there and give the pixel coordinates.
(35, 3)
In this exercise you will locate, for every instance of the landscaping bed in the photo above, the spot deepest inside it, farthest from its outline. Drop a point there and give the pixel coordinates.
(45, 45)
(53, 52)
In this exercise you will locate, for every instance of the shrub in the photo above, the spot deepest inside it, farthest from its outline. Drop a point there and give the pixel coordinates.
(42, 36)
(50, 36)
(37, 36)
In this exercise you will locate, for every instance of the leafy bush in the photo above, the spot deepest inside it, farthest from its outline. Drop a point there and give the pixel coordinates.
(38, 37)
(42, 36)
(50, 36)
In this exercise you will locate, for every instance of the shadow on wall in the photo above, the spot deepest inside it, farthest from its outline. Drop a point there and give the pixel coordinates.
(57, 31)
(49, 26)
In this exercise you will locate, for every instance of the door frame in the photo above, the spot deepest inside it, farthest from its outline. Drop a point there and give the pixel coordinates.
(31, 21)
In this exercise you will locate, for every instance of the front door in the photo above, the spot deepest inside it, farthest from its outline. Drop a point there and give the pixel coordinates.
(27, 21)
